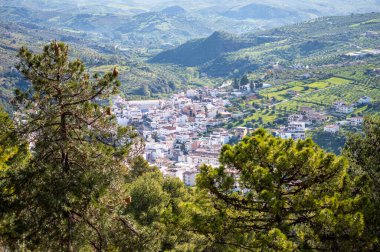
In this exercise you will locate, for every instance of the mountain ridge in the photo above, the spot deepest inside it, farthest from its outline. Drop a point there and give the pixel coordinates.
(203, 50)
(287, 45)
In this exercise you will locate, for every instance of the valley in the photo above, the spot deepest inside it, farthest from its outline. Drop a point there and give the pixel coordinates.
(189, 125)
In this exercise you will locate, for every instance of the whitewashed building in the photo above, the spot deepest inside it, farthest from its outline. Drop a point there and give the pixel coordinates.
(356, 121)
(189, 177)
(333, 128)
(342, 107)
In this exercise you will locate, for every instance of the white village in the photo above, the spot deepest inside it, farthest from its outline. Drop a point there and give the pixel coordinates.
(188, 129)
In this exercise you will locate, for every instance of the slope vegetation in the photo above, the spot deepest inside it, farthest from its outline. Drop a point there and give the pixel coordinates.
(319, 41)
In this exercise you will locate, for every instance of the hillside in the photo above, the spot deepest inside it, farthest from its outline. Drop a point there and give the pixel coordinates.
(171, 25)
(164, 24)
(200, 51)
(260, 11)
(98, 55)
(319, 41)
(15, 35)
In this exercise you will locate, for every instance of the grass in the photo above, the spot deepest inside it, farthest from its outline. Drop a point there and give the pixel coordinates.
(318, 85)
(266, 117)
(336, 80)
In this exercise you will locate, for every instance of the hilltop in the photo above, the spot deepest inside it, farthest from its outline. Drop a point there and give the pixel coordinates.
(261, 11)
(200, 51)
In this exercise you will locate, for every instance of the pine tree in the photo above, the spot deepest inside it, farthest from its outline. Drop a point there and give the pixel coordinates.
(244, 80)
(145, 91)
(252, 85)
(236, 84)
(14, 155)
(271, 194)
(79, 154)
(259, 84)
(13, 151)
(363, 154)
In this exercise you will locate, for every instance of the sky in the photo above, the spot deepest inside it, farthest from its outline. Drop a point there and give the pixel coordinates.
(136, 6)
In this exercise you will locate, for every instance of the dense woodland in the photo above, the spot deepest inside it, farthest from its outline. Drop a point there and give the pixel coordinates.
(71, 179)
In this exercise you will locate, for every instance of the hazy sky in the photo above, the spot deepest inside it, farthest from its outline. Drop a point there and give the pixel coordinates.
(324, 6)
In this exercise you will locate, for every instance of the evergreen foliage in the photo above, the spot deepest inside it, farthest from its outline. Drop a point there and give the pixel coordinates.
(244, 80)
(271, 194)
(78, 155)
(363, 153)
(236, 84)
(71, 179)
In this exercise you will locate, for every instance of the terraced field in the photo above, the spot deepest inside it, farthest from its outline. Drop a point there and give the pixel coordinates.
(278, 102)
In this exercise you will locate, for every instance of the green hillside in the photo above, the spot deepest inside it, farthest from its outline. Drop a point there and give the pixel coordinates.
(15, 35)
(155, 29)
(138, 78)
(169, 27)
(319, 41)
(201, 51)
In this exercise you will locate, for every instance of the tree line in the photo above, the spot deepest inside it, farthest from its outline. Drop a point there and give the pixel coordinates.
(71, 179)
(244, 81)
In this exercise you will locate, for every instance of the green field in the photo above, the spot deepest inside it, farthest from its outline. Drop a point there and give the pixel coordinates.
(319, 94)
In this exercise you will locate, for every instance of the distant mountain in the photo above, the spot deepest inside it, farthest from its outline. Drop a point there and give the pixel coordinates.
(166, 28)
(319, 41)
(74, 7)
(260, 11)
(26, 15)
(174, 10)
(153, 25)
(198, 52)
(172, 25)
(101, 23)
(57, 19)
(251, 7)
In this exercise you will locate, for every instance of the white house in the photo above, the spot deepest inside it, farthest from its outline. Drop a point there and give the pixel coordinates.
(342, 107)
(146, 104)
(334, 128)
(296, 126)
(153, 153)
(189, 177)
(191, 93)
(135, 115)
(285, 134)
(355, 121)
(299, 135)
(203, 159)
(296, 118)
(167, 130)
(183, 119)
